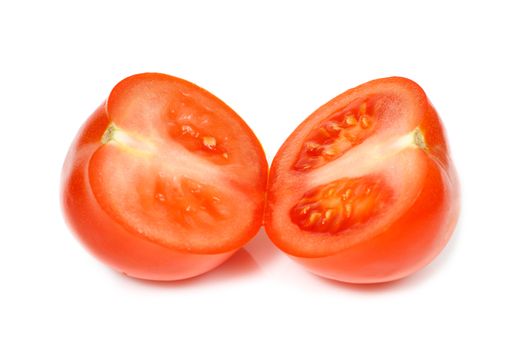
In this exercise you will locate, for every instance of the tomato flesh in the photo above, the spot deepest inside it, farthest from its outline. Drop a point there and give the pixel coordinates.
(166, 166)
(347, 177)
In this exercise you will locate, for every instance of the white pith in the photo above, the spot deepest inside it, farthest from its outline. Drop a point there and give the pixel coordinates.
(366, 158)
(174, 159)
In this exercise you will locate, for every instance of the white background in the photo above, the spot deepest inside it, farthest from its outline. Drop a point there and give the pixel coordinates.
(274, 63)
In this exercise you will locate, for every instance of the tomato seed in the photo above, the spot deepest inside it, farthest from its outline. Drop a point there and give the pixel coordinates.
(188, 130)
(209, 141)
(314, 217)
(364, 122)
(350, 120)
(160, 197)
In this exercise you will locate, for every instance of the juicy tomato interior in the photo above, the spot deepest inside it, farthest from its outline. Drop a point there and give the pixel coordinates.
(349, 171)
(171, 166)
(341, 204)
(342, 130)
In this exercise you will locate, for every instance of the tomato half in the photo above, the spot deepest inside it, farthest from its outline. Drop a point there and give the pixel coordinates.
(364, 190)
(164, 181)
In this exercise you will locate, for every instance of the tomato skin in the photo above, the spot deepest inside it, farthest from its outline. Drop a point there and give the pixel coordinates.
(410, 242)
(103, 236)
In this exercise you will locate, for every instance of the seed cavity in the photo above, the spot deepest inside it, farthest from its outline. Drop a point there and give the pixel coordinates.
(194, 135)
(324, 132)
(337, 134)
(362, 108)
(340, 205)
(190, 201)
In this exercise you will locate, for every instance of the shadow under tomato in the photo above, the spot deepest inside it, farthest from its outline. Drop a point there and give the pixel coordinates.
(240, 265)
(262, 249)
(408, 282)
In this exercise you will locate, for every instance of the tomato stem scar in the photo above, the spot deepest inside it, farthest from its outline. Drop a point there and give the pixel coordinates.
(415, 138)
(419, 139)
(108, 134)
(131, 143)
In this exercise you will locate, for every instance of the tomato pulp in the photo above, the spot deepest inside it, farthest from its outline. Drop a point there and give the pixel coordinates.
(364, 190)
(164, 181)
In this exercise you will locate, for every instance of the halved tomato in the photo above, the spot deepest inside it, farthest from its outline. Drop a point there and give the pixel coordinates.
(364, 190)
(164, 181)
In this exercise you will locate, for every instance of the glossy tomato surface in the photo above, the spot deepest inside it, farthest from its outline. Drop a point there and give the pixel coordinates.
(164, 181)
(364, 190)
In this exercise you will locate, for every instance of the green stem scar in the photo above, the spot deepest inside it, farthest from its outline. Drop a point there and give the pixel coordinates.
(127, 141)
(108, 134)
(419, 139)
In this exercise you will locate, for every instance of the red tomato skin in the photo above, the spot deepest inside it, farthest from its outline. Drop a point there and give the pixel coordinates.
(124, 251)
(414, 239)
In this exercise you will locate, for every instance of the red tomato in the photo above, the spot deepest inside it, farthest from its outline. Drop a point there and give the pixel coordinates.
(364, 190)
(164, 181)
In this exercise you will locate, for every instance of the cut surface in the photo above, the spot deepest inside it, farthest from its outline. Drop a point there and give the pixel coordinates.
(335, 135)
(341, 205)
(348, 171)
(171, 166)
